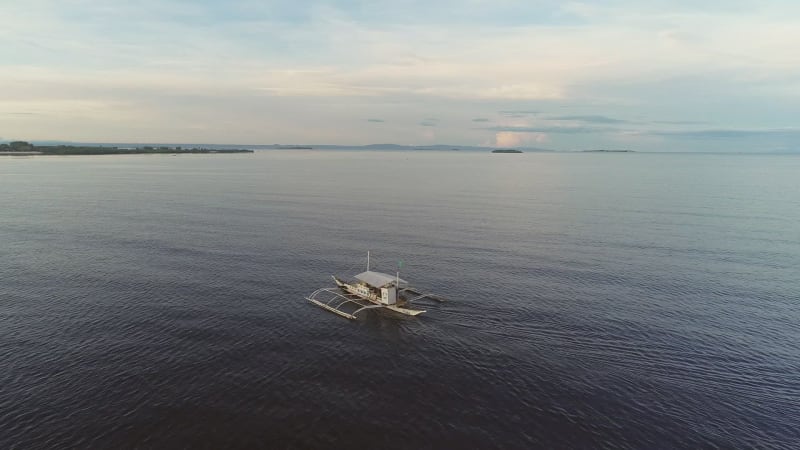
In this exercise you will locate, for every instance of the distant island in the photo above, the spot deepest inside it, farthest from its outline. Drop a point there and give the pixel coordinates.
(293, 147)
(506, 150)
(608, 151)
(25, 148)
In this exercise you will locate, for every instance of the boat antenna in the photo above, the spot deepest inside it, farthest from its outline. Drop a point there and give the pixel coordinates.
(397, 283)
(367, 260)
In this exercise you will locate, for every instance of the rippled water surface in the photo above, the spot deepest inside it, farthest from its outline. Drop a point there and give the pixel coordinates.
(597, 301)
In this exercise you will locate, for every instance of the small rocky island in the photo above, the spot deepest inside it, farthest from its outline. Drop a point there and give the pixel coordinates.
(25, 148)
(506, 150)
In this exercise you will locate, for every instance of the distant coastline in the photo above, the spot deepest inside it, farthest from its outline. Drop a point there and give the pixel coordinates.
(22, 148)
(129, 148)
(282, 147)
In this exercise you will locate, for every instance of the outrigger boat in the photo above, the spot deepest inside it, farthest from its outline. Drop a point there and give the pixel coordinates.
(369, 290)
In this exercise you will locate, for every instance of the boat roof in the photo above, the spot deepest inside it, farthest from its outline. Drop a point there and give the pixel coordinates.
(379, 279)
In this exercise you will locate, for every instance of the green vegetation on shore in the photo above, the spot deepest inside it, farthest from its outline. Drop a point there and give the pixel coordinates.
(23, 147)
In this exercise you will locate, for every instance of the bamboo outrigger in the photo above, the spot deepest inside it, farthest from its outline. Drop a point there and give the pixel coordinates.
(370, 290)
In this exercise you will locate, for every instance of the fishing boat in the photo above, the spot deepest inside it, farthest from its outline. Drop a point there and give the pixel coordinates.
(369, 290)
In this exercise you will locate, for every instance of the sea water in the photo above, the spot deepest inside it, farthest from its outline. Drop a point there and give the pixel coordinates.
(596, 300)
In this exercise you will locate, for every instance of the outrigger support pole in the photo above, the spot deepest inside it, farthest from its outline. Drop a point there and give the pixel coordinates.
(365, 307)
(421, 295)
(333, 310)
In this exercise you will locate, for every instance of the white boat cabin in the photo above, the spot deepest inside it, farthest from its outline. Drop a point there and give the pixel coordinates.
(374, 282)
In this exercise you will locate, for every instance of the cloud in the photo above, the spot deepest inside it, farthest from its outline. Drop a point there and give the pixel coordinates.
(680, 122)
(589, 119)
(376, 120)
(557, 130)
(730, 134)
(505, 139)
(710, 134)
(518, 114)
(510, 139)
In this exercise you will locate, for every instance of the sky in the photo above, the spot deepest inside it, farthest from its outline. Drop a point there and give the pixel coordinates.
(643, 75)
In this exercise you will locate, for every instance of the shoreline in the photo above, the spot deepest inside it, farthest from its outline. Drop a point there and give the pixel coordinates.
(25, 149)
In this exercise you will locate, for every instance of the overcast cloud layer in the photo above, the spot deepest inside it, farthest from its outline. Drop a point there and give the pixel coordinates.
(659, 75)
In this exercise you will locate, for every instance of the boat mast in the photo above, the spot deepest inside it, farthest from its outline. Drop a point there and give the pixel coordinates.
(367, 260)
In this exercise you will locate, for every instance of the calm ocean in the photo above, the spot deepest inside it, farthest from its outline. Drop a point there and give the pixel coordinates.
(597, 301)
